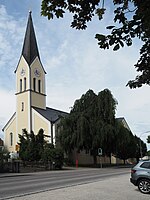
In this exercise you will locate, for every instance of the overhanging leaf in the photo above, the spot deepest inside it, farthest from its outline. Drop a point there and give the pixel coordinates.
(110, 27)
(100, 37)
(116, 47)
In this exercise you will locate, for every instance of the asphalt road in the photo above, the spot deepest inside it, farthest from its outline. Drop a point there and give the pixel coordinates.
(81, 184)
(113, 188)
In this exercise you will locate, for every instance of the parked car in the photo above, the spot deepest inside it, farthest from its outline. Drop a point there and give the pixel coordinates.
(140, 176)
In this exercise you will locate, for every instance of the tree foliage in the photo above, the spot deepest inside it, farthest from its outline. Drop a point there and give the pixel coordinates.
(52, 156)
(131, 19)
(148, 153)
(33, 147)
(125, 144)
(148, 139)
(77, 132)
(4, 155)
(91, 124)
(106, 113)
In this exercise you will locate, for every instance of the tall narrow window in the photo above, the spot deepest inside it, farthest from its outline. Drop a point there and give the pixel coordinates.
(22, 107)
(11, 139)
(25, 83)
(39, 86)
(34, 84)
(20, 85)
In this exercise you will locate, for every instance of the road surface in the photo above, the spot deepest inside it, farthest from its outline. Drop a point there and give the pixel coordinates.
(81, 184)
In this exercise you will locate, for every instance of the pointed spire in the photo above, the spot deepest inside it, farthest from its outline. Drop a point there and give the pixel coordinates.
(30, 48)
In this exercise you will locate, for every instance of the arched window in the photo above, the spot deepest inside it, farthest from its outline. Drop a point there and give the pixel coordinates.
(20, 85)
(34, 84)
(39, 86)
(25, 84)
(11, 139)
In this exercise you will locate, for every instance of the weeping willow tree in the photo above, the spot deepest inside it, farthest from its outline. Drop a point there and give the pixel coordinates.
(106, 111)
(90, 124)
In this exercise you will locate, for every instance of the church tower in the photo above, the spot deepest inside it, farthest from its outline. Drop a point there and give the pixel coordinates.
(30, 81)
(31, 111)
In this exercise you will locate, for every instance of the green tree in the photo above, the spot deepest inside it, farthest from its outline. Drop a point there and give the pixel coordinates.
(107, 106)
(148, 153)
(31, 145)
(53, 157)
(85, 111)
(47, 153)
(143, 148)
(131, 20)
(39, 144)
(106, 112)
(77, 131)
(35, 148)
(125, 143)
(4, 155)
(24, 145)
(140, 147)
(58, 158)
(90, 124)
(67, 135)
(148, 139)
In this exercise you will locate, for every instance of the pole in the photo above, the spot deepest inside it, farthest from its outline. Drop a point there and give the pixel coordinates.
(100, 161)
(100, 158)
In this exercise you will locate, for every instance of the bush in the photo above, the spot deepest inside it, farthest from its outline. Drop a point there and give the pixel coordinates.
(58, 158)
(53, 156)
(4, 155)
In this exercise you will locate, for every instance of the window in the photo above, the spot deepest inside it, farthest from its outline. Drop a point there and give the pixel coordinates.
(22, 107)
(20, 85)
(145, 165)
(39, 86)
(25, 84)
(34, 84)
(11, 139)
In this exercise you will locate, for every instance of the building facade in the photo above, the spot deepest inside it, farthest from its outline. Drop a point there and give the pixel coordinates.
(31, 111)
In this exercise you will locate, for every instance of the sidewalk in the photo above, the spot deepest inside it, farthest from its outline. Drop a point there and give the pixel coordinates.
(27, 172)
(31, 172)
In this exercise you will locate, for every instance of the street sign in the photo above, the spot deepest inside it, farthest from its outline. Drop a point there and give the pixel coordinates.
(17, 147)
(100, 151)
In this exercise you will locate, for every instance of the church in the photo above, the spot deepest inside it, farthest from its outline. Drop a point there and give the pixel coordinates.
(31, 111)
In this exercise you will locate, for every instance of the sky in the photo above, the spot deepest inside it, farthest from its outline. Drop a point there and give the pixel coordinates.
(73, 62)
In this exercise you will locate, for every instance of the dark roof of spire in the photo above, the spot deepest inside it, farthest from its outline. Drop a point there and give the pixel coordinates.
(30, 48)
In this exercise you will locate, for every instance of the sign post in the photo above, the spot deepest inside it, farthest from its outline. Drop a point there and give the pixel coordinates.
(100, 153)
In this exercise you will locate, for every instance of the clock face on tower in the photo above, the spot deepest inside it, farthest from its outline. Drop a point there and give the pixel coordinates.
(37, 72)
(22, 72)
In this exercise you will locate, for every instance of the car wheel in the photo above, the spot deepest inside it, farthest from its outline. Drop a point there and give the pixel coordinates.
(144, 186)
